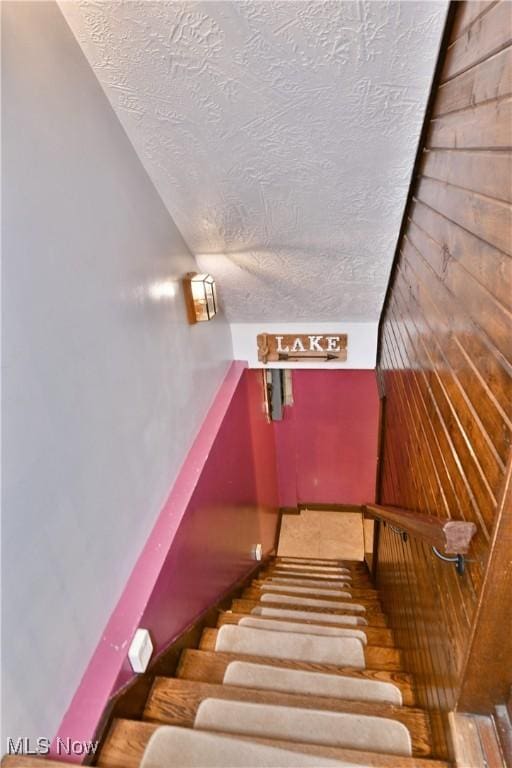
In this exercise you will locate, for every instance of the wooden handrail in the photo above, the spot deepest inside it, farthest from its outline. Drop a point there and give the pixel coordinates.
(453, 537)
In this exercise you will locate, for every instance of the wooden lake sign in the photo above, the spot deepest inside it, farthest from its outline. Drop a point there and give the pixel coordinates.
(293, 347)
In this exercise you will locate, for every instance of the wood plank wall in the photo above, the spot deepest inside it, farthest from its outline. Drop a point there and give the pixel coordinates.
(445, 353)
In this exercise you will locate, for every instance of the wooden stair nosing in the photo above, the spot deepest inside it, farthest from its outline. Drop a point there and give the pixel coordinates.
(374, 618)
(242, 605)
(255, 593)
(327, 562)
(176, 701)
(210, 667)
(377, 657)
(348, 575)
(351, 565)
(316, 567)
(356, 565)
(127, 740)
(381, 636)
(371, 594)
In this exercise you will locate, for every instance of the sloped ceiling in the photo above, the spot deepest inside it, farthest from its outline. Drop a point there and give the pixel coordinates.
(280, 135)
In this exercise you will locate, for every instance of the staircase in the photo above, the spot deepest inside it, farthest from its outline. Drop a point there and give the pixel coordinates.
(301, 671)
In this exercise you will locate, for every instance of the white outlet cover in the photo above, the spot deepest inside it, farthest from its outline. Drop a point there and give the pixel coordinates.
(141, 650)
(257, 552)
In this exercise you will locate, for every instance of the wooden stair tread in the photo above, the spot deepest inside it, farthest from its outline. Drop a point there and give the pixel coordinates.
(312, 573)
(176, 701)
(381, 636)
(200, 673)
(358, 565)
(210, 667)
(369, 594)
(127, 740)
(374, 618)
(369, 601)
(344, 563)
(299, 568)
(377, 657)
(370, 606)
(318, 581)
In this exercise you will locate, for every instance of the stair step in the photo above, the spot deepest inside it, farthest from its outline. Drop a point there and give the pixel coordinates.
(375, 656)
(277, 625)
(210, 667)
(344, 651)
(347, 567)
(362, 585)
(377, 618)
(319, 602)
(292, 612)
(326, 587)
(244, 674)
(265, 586)
(365, 597)
(177, 701)
(191, 748)
(309, 560)
(127, 740)
(304, 582)
(356, 565)
(334, 729)
(316, 575)
(374, 635)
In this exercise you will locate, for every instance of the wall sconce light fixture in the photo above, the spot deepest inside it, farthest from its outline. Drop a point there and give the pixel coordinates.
(200, 297)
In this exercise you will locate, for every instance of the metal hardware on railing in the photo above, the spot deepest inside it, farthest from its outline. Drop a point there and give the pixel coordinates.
(399, 532)
(458, 560)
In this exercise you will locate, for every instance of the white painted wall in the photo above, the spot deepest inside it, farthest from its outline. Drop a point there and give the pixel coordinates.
(361, 343)
(104, 382)
(281, 136)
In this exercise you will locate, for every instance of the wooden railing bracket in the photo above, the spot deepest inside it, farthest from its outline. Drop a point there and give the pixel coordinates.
(458, 560)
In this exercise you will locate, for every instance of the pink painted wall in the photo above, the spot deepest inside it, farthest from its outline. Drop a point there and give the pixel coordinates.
(327, 442)
(233, 507)
(224, 500)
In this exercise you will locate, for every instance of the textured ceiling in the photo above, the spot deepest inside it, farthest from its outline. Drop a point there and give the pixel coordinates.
(280, 135)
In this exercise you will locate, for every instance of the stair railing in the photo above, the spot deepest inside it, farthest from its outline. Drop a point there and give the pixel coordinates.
(449, 539)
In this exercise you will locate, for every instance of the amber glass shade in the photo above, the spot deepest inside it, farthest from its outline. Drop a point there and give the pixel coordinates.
(201, 297)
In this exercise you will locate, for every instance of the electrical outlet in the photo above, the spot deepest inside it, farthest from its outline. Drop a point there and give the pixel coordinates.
(257, 551)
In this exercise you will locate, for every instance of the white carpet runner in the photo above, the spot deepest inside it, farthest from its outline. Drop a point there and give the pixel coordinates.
(318, 618)
(263, 677)
(314, 726)
(171, 746)
(340, 583)
(343, 651)
(306, 568)
(295, 573)
(300, 590)
(269, 597)
(260, 622)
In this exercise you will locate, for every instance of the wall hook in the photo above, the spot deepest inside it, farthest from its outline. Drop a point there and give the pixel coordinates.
(458, 560)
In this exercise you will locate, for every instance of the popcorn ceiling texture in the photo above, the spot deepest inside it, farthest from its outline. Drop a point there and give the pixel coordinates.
(280, 135)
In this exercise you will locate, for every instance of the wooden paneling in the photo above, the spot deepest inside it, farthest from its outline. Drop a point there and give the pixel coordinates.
(446, 363)
(487, 670)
